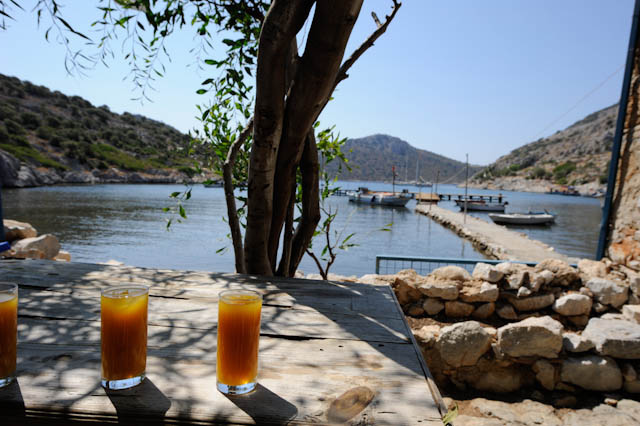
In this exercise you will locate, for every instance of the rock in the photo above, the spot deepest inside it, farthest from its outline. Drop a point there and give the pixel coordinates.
(465, 420)
(628, 372)
(531, 337)
(632, 313)
(592, 373)
(619, 339)
(63, 256)
(545, 374)
(410, 276)
(563, 274)
(462, 344)
(634, 283)
(508, 268)
(573, 304)
(537, 280)
(507, 312)
(565, 402)
(486, 272)
(547, 276)
(406, 292)
(376, 279)
(533, 303)
(630, 407)
(9, 166)
(477, 291)
(484, 311)
(47, 244)
(611, 401)
(614, 316)
(427, 335)
(415, 311)
(498, 409)
(579, 320)
(14, 230)
(451, 273)
(495, 376)
(572, 342)
(608, 292)
(523, 292)
(457, 309)
(517, 280)
(447, 290)
(600, 308)
(632, 386)
(593, 268)
(432, 306)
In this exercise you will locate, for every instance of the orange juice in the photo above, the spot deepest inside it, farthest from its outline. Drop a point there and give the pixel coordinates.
(238, 338)
(8, 332)
(124, 335)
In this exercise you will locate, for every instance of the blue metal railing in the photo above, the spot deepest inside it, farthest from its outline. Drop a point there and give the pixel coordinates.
(424, 265)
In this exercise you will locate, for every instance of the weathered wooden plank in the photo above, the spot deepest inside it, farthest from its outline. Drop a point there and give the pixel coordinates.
(299, 381)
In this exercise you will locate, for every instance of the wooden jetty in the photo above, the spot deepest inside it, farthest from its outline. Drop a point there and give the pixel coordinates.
(330, 353)
(426, 197)
(491, 239)
(472, 197)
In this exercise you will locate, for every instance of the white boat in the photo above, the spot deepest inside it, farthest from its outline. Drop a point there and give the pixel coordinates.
(379, 198)
(531, 218)
(480, 205)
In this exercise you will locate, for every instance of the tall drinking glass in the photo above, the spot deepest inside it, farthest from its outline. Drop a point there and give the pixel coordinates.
(238, 338)
(124, 335)
(8, 332)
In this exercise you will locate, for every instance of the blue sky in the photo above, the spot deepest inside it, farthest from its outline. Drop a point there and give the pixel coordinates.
(452, 77)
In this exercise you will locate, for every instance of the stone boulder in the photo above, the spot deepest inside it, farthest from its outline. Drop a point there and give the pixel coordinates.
(447, 290)
(573, 304)
(494, 376)
(563, 273)
(427, 335)
(432, 306)
(572, 342)
(14, 230)
(455, 309)
(508, 268)
(451, 273)
(47, 244)
(518, 279)
(486, 272)
(9, 166)
(405, 292)
(593, 268)
(533, 303)
(592, 373)
(545, 373)
(462, 344)
(410, 276)
(507, 312)
(531, 337)
(608, 292)
(616, 338)
(631, 313)
(478, 291)
(484, 311)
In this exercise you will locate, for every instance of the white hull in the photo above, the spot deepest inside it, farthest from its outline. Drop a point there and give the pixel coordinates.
(379, 199)
(481, 206)
(523, 219)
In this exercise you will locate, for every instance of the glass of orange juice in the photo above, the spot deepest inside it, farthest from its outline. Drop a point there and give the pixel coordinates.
(8, 332)
(124, 335)
(238, 338)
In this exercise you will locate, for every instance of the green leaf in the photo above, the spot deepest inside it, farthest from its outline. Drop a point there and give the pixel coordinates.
(182, 212)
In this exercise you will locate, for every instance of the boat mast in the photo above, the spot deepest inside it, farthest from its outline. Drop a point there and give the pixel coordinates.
(393, 179)
(466, 188)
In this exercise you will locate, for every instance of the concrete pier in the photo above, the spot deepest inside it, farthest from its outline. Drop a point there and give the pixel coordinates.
(493, 240)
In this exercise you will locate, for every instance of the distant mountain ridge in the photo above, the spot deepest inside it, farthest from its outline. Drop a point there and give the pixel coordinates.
(372, 158)
(578, 156)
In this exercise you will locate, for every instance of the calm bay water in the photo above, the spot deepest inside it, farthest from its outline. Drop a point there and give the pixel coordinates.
(126, 223)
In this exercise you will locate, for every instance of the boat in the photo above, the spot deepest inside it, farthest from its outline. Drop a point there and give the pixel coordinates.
(380, 198)
(565, 190)
(481, 205)
(530, 218)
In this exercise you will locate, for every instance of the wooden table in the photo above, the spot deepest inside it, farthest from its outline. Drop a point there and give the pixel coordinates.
(329, 352)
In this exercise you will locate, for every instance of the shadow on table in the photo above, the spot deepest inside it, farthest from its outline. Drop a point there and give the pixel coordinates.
(264, 406)
(12, 404)
(146, 397)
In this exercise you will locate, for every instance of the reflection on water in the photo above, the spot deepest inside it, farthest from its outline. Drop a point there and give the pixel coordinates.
(126, 223)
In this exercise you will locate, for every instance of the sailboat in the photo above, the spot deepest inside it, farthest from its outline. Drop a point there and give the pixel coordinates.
(381, 198)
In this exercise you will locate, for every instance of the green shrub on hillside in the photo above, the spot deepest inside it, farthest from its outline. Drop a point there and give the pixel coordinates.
(27, 154)
(30, 120)
(14, 128)
(44, 132)
(539, 173)
(562, 171)
(117, 157)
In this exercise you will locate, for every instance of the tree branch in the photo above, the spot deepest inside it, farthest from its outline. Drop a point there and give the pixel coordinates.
(287, 243)
(232, 214)
(342, 74)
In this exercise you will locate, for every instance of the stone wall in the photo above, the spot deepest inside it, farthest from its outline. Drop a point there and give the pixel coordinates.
(511, 326)
(624, 238)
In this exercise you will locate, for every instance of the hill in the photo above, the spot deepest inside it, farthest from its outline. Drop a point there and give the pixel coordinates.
(47, 137)
(372, 158)
(577, 156)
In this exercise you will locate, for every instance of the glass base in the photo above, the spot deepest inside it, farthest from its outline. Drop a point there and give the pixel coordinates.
(6, 381)
(123, 383)
(236, 390)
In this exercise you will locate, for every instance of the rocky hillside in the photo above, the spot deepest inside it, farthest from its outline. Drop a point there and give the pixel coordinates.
(577, 156)
(47, 137)
(372, 158)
